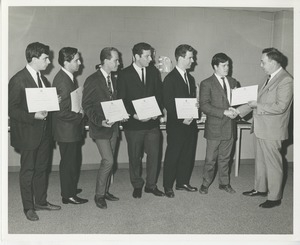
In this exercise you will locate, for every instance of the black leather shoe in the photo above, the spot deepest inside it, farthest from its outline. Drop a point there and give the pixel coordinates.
(203, 189)
(169, 192)
(254, 193)
(48, 207)
(186, 188)
(74, 200)
(78, 191)
(31, 215)
(155, 191)
(270, 204)
(227, 188)
(137, 193)
(100, 202)
(111, 197)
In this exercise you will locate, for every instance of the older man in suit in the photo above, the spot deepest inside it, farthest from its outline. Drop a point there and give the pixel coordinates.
(219, 125)
(139, 80)
(100, 87)
(31, 132)
(181, 133)
(68, 128)
(271, 114)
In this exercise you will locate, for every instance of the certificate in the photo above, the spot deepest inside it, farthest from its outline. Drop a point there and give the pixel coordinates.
(42, 99)
(114, 110)
(186, 108)
(146, 107)
(76, 99)
(243, 95)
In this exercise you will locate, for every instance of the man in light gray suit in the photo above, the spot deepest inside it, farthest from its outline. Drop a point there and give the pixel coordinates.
(271, 114)
(215, 93)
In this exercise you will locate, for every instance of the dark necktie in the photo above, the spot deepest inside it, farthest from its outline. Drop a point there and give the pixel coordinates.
(143, 79)
(75, 83)
(109, 86)
(267, 80)
(186, 81)
(224, 85)
(39, 80)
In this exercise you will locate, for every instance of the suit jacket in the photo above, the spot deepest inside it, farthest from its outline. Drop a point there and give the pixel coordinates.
(213, 102)
(271, 117)
(67, 126)
(26, 132)
(130, 87)
(174, 86)
(95, 91)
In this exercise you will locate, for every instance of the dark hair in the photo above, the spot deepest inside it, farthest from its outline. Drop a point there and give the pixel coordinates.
(139, 47)
(106, 54)
(182, 49)
(66, 54)
(274, 54)
(219, 58)
(36, 50)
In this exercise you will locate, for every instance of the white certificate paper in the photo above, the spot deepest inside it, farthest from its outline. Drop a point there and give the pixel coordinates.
(146, 107)
(42, 99)
(243, 95)
(76, 99)
(186, 108)
(114, 110)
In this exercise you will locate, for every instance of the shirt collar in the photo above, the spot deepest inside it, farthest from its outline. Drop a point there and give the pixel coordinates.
(105, 74)
(68, 73)
(32, 72)
(182, 72)
(137, 68)
(275, 72)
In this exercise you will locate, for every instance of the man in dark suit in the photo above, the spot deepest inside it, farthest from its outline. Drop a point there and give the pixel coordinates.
(271, 114)
(68, 126)
(181, 133)
(31, 132)
(100, 87)
(215, 97)
(139, 80)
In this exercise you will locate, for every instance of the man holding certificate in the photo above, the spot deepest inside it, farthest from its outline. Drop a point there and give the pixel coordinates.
(215, 93)
(68, 127)
(137, 84)
(181, 132)
(101, 87)
(271, 114)
(30, 132)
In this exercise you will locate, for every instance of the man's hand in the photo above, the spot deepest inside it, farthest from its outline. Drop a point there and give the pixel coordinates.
(188, 121)
(252, 104)
(231, 113)
(41, 115)
(107, 124)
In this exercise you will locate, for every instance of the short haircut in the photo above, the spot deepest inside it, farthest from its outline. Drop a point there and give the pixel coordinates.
(274, 54)
(182, 49)
(66, 54)
(139, 47)
(106, 54)
(36, 50)
(219, 58)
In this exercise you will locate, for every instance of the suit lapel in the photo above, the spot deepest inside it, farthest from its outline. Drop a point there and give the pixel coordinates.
(218, 86)
(29, 78)
(181, 82)
(136, 77)
(102, 84)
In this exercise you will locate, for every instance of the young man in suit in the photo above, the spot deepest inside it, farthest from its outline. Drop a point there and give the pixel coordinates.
(139, 80)
(271, 113)
(181, 133)
(68, 128)
(31, 132)
(219, 125)
(100, 87)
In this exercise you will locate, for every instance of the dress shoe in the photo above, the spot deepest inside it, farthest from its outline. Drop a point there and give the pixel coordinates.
(78, 191)
(48, 206)
(186, 188)
(111, 197)
(100, 202)
(270, 204)
(227, 188)
(74, 200)
(203, 189)
(169, 192)
(137, 193)
(254, 193)
(31, 215)
(155, 191)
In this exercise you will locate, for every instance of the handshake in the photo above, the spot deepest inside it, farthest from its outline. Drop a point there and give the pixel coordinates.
(231, 112)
